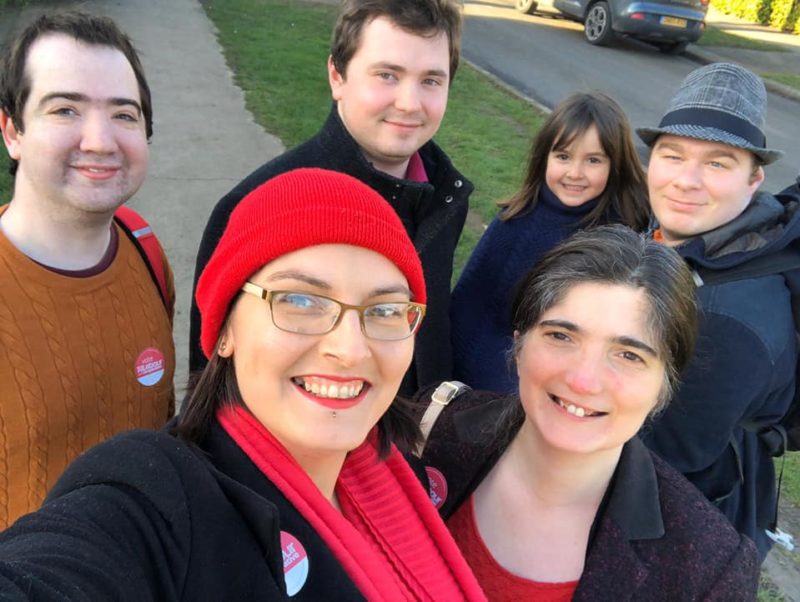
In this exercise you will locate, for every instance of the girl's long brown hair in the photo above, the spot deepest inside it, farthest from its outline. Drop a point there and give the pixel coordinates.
(625, 194)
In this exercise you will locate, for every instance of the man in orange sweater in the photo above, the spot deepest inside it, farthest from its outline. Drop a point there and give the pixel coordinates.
(86, 344)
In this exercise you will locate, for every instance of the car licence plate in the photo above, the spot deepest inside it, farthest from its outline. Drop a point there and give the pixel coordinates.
(673, 22)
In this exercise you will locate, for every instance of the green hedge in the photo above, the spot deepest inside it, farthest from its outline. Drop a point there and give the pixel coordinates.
(782, 14)
(751, 10)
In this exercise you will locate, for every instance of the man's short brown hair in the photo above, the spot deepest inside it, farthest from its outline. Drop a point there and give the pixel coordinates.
(93, 30)
(425, 18)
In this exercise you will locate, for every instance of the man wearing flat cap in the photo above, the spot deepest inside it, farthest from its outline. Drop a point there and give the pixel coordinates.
(705, 170)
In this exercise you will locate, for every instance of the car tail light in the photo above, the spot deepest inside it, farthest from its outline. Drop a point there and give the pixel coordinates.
(638, 16)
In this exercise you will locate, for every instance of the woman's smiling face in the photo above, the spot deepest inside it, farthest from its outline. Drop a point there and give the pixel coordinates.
(319, 394)
(590, 370)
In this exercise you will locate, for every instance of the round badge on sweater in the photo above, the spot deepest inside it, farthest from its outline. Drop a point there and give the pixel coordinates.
(149, 367)
(438, 486)
(295, 563)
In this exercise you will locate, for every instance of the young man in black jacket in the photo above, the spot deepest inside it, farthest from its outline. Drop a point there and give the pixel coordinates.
(390, 68)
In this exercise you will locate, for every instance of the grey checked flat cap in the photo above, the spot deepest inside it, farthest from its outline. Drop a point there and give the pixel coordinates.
(721, 102)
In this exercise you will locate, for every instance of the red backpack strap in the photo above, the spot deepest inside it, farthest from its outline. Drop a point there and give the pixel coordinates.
(145, 241)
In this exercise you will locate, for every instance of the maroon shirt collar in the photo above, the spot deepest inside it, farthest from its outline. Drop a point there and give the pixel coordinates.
(416, 169)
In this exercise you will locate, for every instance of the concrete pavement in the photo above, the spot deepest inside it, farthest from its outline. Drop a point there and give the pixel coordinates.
(204, 142)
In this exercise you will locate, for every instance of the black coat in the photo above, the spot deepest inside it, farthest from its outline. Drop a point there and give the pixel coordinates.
(144, 516)
(433, 214)
(743, 369)
(655, 536)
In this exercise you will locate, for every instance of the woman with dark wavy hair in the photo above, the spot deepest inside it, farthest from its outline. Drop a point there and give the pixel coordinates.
(549, 493)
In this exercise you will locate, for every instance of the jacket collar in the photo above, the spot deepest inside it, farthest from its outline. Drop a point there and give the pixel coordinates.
(632, 512)
(633, 502)
(347, 155)
(345, 151)
(549, 198)
(768, 224)
(760, 218)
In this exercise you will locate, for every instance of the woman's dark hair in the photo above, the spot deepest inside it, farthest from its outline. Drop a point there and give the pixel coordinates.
(625, 194)
(616, 255)
(216, 386)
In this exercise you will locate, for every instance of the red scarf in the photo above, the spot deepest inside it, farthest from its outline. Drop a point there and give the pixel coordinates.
(388, 538)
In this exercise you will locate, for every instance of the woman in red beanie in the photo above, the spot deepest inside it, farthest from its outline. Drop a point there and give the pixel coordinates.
(281, 477)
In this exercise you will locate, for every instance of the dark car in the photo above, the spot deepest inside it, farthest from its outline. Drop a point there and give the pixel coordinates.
(668, 24)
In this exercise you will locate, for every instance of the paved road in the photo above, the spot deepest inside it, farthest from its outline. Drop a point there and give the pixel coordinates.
(547, 58)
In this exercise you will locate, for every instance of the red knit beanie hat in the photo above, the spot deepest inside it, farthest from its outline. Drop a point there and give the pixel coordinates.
(298, 209)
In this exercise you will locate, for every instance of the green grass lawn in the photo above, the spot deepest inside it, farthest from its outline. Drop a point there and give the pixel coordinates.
(791, 478)
(278, 50)
(716, 37)
(767, 592)
(787, 79)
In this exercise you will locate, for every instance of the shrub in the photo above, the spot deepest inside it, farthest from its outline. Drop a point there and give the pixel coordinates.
(751, 10)
(782, 14)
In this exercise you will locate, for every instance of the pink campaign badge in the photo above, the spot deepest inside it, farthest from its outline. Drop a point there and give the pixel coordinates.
(149, 366)
(438, 490)
(295, 563)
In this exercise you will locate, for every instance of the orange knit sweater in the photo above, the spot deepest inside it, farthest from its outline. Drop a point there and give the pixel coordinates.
(80, 360)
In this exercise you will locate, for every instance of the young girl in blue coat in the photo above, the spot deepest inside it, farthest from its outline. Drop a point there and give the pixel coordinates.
(583, 171)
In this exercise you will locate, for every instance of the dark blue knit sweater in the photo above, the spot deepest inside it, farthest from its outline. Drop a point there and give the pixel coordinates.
(480, 311)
